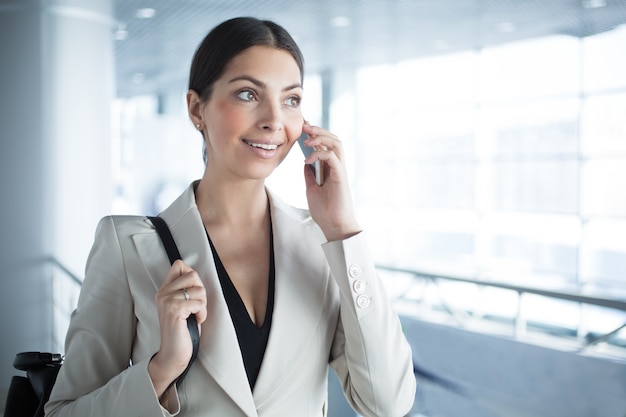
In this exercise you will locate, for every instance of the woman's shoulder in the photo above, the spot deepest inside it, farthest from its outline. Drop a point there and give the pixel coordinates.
(124, 225)
(297, 221)
(279, 206)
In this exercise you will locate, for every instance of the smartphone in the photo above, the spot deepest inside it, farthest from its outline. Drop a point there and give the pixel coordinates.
(316, 167)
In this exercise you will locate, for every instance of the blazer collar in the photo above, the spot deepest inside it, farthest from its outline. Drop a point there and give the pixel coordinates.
(298, 289)
(294, 289)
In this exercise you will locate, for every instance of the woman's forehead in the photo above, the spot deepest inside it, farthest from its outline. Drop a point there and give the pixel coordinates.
(262, 61)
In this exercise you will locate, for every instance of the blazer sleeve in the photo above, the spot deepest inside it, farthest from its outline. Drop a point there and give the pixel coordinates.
(96, 379)
(370, 353)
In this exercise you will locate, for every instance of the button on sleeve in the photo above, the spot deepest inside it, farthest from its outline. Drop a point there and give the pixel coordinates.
(363, 301)
(354, 271)
(359, 286)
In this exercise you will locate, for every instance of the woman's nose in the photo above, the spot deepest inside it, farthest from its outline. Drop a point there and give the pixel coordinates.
(270, 117)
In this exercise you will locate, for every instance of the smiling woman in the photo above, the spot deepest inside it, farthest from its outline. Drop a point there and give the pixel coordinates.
(212, 57)
(279, 293)
(256, 103)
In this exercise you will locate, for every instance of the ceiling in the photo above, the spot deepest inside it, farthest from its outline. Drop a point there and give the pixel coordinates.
(153, 53)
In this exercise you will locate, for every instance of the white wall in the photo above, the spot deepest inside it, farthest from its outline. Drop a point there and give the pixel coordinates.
(56, 80)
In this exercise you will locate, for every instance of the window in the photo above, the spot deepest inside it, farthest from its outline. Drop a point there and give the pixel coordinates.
(506, 163)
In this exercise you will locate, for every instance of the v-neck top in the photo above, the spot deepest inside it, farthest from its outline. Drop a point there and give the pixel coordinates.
(252, 338)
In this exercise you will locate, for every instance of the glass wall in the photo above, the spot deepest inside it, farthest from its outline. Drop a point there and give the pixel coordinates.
(506, 163)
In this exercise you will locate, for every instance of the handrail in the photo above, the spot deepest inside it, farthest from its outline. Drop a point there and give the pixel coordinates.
(66, 285)
(54, 261)
(597, 301)
(520, 323)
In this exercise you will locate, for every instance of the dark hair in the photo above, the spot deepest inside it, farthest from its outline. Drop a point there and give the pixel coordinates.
(230, 38)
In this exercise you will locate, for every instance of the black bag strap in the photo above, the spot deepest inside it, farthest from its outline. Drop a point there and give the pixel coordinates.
(166, 238)
(172, 252)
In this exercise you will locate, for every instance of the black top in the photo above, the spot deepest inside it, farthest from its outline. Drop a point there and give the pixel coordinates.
(252, 339)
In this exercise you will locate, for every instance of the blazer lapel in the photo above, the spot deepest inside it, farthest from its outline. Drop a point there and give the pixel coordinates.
(219, 349)
(297, 310)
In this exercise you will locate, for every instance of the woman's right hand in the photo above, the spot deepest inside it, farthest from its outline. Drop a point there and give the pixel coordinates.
(173, 309)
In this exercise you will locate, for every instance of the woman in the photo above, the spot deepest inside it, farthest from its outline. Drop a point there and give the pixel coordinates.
(278, 293)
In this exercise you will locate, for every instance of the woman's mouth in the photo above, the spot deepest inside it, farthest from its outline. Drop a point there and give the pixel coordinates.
(266, 146)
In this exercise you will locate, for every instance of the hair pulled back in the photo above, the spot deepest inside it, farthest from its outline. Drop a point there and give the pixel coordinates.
(230, 38)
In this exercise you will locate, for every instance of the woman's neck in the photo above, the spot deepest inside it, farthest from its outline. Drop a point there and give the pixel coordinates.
(240, 204)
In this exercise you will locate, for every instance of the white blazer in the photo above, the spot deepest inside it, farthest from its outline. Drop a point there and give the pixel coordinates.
(330, 307)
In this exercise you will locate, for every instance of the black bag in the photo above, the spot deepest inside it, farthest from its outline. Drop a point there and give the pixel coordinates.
(28, 394)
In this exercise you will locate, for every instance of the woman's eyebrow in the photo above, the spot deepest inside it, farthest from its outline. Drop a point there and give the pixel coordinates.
(261, 84)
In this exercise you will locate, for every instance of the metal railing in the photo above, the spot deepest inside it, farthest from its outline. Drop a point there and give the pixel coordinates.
(66, 288)
(519, 320)
(61, 267)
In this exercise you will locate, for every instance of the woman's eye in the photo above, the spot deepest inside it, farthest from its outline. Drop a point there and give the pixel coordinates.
(246, 95)
(293, 101)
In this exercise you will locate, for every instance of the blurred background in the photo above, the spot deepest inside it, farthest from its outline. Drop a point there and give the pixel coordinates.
(486, 144)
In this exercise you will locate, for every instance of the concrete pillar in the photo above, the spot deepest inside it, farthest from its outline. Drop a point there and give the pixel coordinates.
(56, 87)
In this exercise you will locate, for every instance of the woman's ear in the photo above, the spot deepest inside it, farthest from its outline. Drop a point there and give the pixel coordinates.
(194, 107)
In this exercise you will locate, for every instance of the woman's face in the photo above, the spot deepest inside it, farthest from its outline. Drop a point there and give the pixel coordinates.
(253, 115)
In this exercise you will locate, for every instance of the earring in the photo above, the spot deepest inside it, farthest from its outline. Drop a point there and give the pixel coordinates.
(198, 126)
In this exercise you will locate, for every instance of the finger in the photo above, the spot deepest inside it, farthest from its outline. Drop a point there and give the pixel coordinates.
(178, 268)
(189, 307)
(324, 139)
(182, 276)
(177, 309)
(314, 131)
(328, 157)
(192, 293)
(201, 315)
(326, 143)
(195, 304)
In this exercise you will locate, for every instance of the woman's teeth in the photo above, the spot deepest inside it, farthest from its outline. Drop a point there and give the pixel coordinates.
(265, 146)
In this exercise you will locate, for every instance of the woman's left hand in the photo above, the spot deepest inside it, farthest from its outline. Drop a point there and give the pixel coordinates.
(331, 203)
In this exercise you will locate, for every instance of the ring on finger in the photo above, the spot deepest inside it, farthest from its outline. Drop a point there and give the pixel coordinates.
(186, 294)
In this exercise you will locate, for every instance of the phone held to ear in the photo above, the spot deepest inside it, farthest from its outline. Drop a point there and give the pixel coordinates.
(316, 167)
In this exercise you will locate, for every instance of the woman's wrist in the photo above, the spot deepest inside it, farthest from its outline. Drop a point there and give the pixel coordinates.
(341, 233)
(160, 381)
(164, 385)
